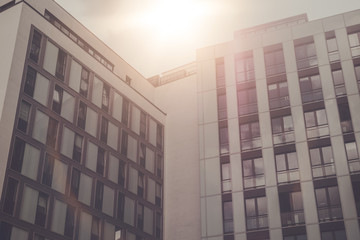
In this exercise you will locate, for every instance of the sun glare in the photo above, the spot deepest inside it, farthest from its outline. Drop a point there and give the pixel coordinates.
(169, 19)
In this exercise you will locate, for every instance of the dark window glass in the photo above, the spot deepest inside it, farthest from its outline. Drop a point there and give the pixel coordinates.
(224, 137)
(159, 165)
(142, 124)
(18, 155)
(48, 170)
(69, 221)
(5, 230)
(38, 237)
(57, 99)
(333, 235)
(10, 196)
(226, 177)
(287, 167)
(159, 136)
(60, 65)
(291, 208)
(158, 195)
(95, 229)
(141, 184)
(345, 117)
(52, 133)
(158, 223)
(23, 116)
(121, 176)
(253, 173)
(356, 190)
(140, 216)
(30, 81)
(100, 161)
(124, 143)
(35, 46)
(84, 83)
(221, 99)
(105, 97)
(278, 95)
(82, 115)
(104, 130)
(121, 201)
(352, 155)
(250, 135)
(99, 195)
(142, 154)
(41, 209)
(125, 112)
(78, 141)
(75, 183)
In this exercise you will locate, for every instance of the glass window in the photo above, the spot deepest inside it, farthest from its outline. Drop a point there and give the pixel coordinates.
(140, 216)
(55, 60)
(24, 114)
(305, 55)
(253, 172)
(322, 161)
(247, 101)
(45, 129)
(220, 72)
(84, 187)
(345, 117)
(10, 196)
(133, 180)
(338, 79)
(25, 159)
(121, 206)
(150, 191)
(228, 217)
(278, 95)
(221, 100)
(158, 195)
(291, 208)
(112, 135)
(250, 135)
(91, 121)
(129, 213)
(332, 46)
(108, 201)
(58, 217)
(274, 62)
(141, 184)
(354, 40)
(226, 177)
(63, 103)
(105, 97)
(125, 111)
(316, 123)
(117, 106)
(224, 137)
(97, 92)
(244, 67)
(256, 213)
(54, 174)
(150, 160)
(148, 220)
(99, 191)
(35, 46)
(287, 167)
(311, 89)
(104, 129)
(333, 235)
(328, 203)
(135, 119)
(37, 86)
(85, 226)
(352, 156)
(152, 131)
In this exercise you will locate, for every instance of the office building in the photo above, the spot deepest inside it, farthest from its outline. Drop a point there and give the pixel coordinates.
(257, 139)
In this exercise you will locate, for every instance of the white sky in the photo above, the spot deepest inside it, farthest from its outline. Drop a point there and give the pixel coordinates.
(138, 30)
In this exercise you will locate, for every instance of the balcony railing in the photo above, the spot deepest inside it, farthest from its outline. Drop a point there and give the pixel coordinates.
(248, 109)
(314, 95)
(318, 131)
(275, 69)
(323, 170)
(226, 185)
(354, 165)
(256, 222)
(253, 143)
(329, 213)
(346, 126)
(288, 176)
(307, 62)
(254, 181)
(284, 137)
(355, 51)
(292, 218)
(224, 148)
(340, 90)
(246, 76)
(334, 56)
(279, 102)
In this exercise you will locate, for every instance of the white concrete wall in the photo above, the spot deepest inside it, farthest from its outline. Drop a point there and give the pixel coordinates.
(181, 162)
(13, 49)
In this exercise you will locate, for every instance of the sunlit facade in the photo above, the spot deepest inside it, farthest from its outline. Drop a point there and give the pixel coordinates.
(257, 139)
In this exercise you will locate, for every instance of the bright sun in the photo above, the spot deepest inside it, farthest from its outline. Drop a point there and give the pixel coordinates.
(169, 19)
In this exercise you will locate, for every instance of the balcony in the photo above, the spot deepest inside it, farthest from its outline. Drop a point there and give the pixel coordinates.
(284, 137)
(312, 96)
(256, 222)
(292, 218)
(323, 170)
(254, 181)
(288, 176)
(279, 102)
(329, 213)
(307, 62)
(354, 165)
(318, 131)
(249, 144)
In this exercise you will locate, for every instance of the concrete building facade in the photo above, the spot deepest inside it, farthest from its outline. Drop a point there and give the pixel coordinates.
(257, 139)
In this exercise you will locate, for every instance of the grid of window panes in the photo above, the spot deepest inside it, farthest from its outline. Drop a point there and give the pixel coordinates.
(85, 162)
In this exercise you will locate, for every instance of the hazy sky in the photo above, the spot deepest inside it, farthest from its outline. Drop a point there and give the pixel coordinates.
(158, 35)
